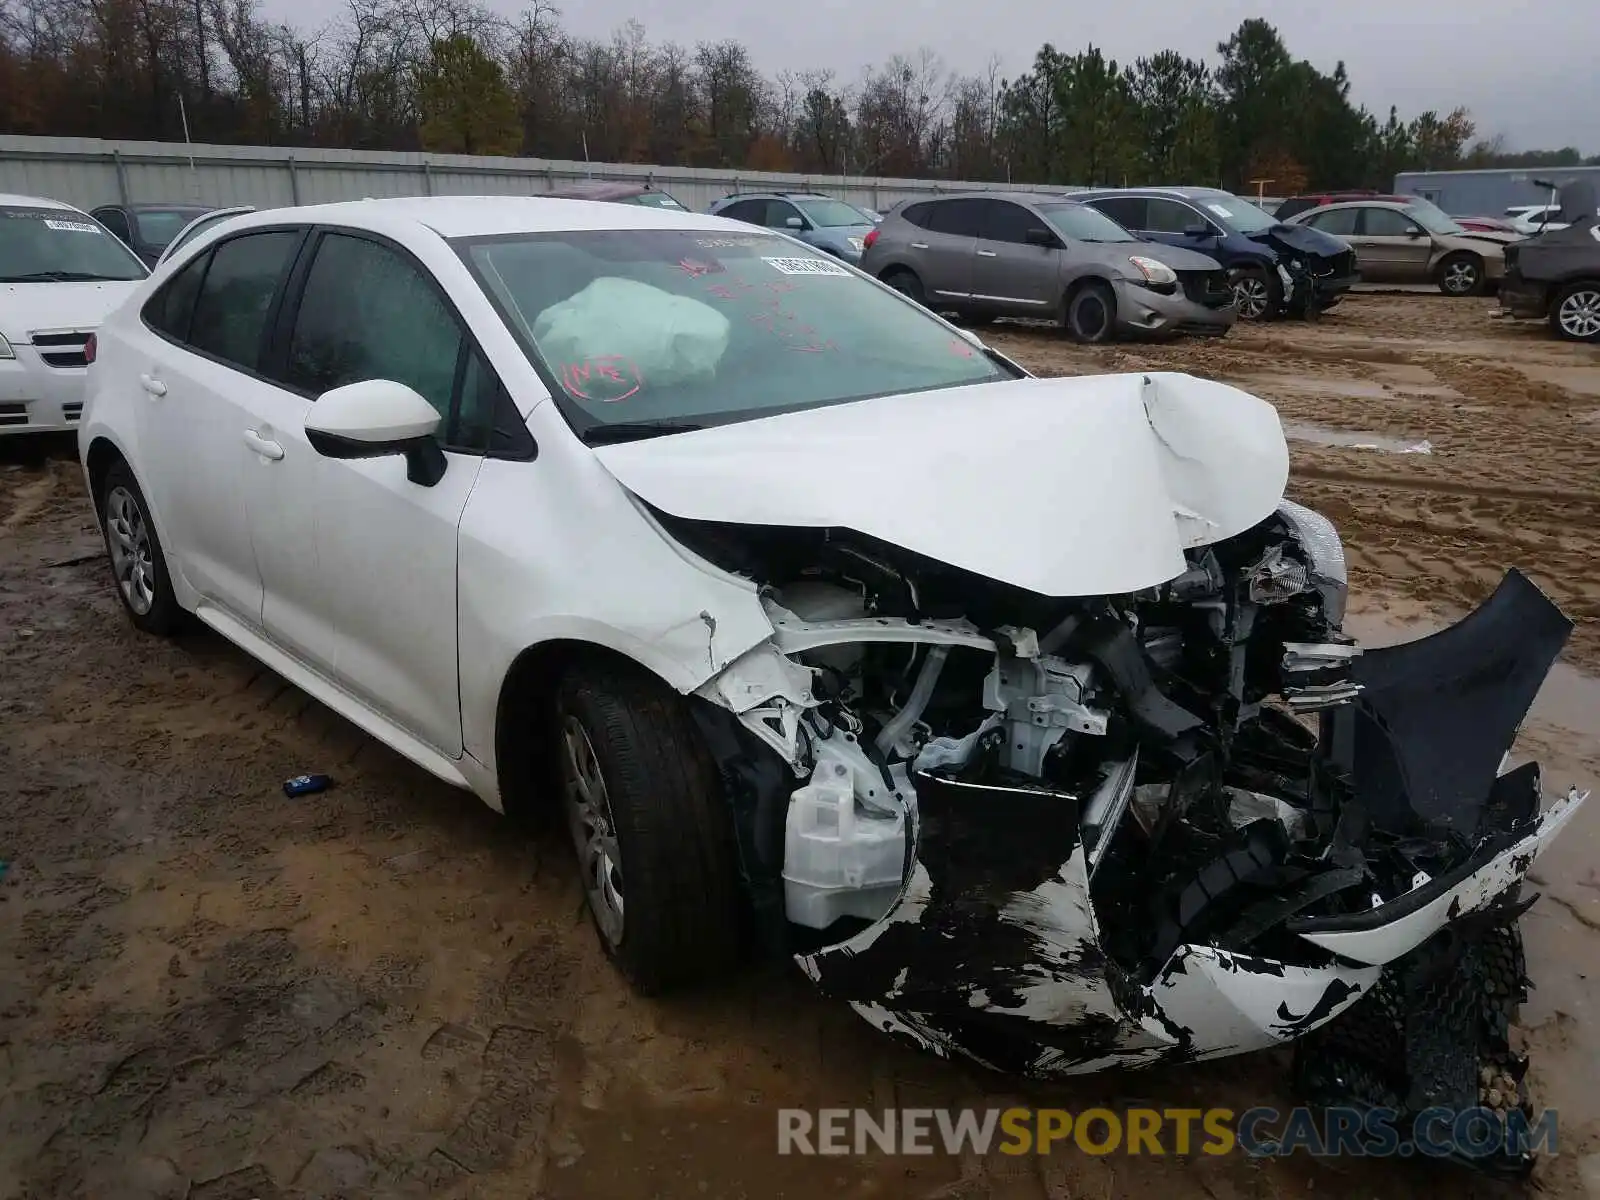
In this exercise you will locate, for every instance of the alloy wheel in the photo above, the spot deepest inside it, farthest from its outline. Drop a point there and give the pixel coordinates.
(1251, 297)
(594, 832)
(128, 538)
(1580, 314)
(1461, 278)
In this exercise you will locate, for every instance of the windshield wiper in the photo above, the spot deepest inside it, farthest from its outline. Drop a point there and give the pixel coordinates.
(63, 277)
(628, 431)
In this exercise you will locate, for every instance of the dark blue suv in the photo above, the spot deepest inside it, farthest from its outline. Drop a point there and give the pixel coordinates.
(1275, 269)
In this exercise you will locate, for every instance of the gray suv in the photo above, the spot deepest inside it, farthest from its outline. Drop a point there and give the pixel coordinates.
(821, 221)
(1002, 254)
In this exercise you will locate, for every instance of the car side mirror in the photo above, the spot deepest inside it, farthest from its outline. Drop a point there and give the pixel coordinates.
(1197, 231)
(794, 223)
(1041, 237)
(1413, 232)
(375, 419)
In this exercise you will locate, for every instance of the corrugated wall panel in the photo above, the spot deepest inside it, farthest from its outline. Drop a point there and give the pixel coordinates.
(88, 172)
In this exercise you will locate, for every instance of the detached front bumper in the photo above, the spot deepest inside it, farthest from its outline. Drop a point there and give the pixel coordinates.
(993, 948)
(1142, 311)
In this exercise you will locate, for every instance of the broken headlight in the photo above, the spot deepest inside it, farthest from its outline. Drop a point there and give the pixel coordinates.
(1324, 552)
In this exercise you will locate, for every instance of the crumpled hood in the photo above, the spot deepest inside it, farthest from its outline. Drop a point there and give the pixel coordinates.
(1302, 239)
(1066, 487)
(25, 307)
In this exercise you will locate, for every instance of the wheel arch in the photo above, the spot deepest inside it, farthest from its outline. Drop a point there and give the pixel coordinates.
(98, 460)
(526, 766)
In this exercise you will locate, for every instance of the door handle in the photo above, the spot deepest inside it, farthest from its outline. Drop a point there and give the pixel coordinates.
(152, 385)
(262, 446)
(919, 245)
(986, 254)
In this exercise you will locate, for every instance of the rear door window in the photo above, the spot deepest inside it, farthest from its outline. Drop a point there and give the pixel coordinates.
(1006, 222)
(169, 310)
(957, 218)
(237, 295)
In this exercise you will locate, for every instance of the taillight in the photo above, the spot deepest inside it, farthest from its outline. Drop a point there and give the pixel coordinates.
(89, 348)
(866, 242)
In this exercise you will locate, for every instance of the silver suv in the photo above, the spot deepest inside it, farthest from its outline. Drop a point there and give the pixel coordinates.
(988, 255)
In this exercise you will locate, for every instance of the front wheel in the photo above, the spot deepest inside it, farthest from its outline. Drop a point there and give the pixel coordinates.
(1575, 314)
(1255, 294)
(1091, 314)
(138, 563)
(1462, 275)
(652, 831)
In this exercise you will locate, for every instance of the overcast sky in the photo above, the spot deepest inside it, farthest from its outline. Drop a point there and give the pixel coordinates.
(1527, 71)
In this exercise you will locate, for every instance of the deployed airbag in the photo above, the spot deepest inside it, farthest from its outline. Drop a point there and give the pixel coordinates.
(666, 338)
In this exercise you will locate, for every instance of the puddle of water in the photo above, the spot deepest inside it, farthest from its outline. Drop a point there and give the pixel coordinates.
(1321, 435)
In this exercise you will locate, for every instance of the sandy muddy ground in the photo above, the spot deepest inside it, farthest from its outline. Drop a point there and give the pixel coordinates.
(210, 991)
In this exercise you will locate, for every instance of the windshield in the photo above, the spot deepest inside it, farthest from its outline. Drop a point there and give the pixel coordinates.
(59, 244)
(158, 226)
(1081, 223)
(655, 200)
(1432, 219)
(832, 214)
(1241, 214)
(700, 328)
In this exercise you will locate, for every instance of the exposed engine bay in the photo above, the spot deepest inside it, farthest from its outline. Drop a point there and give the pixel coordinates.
(1057, 835)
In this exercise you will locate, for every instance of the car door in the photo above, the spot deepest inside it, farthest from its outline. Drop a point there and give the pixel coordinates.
(376, 596)
(1393, 244)
(1176, 223)
(952, 242)
(1007, 270)
(203, 394)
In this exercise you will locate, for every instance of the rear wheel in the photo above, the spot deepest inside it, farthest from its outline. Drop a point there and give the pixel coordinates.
(1461, 275)
(1255, 294)
(1575, 314)
(1091, 315)
(906, 283)
(652, 831)
(138, 563)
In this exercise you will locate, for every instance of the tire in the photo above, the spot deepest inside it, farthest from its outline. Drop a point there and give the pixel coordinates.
(1462, 274)
(1256, 294)
(655, 832)
(906, 283)
(133, 550)
(1091, 316)
(1575, 312)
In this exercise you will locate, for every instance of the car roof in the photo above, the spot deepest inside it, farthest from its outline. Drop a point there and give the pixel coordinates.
(599, 189)
(1179, 193)
(1368, 202)
(13, 200)
(466, 216)
(156, 206)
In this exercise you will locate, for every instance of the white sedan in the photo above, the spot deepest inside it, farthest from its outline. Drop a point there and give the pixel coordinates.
(822, 621)
(61, 271)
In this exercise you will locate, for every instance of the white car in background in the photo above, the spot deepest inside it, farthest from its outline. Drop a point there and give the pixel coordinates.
(61, 272)
(820, 619)
(1530, 220)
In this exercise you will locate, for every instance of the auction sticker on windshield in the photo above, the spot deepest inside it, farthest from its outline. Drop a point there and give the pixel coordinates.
(805, 266)
(72, 226)
(1220, 209)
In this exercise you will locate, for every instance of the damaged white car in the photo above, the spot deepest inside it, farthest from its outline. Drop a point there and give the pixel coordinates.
(1017, 710)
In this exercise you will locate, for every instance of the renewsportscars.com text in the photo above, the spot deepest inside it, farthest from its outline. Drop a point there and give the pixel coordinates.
(1258, 1132)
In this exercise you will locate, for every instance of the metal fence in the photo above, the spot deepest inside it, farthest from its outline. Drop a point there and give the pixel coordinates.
(87, 172)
